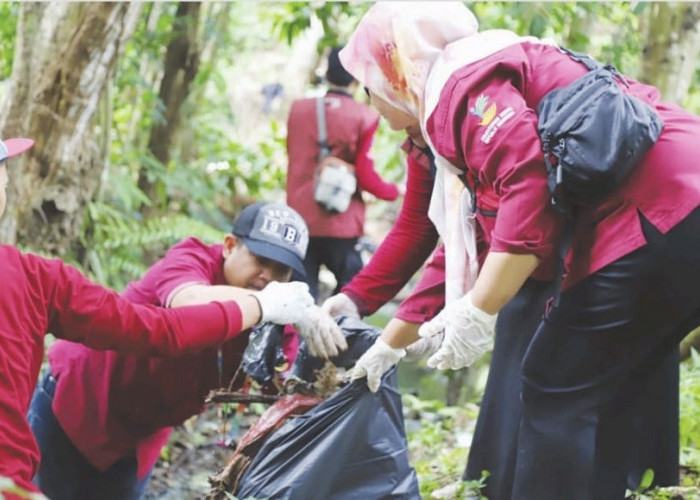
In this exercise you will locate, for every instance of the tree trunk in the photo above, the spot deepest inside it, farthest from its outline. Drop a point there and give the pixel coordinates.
(181, 66)
(57, 82)
(672, 43)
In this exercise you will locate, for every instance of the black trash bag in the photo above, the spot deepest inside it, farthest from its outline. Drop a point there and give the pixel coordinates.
(351, 446)
(264, 352)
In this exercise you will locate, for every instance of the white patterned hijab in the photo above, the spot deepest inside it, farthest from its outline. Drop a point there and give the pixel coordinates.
(396, 43)
(393, 52)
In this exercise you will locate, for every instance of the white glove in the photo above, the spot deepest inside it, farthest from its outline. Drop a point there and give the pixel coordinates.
(284, 303)
(340, 304)
(468, 333)
(375, 362)
(321, 332)
(423, 347)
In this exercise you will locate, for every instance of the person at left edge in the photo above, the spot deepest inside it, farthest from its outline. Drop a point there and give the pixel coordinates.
(42, 295)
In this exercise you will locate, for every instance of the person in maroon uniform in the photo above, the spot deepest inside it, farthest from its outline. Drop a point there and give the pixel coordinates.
(41, 295)
(630, 291)
(493, 448)
(350, 129)
(102, 417)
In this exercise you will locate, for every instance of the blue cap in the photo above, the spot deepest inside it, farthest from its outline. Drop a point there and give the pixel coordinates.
(274, 231)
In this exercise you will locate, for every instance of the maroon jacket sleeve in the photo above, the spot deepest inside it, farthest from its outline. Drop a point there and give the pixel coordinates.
(82, 311)
(428, 296)
(407, 246)
(367, 177)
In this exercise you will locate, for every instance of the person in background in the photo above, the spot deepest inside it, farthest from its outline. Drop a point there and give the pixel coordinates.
(102, 417)
(350, 127)
(630, 291)
(41, 295)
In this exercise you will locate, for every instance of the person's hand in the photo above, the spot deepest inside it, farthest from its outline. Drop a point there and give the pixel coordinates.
(468, 334)
(321, 333)
(340, 305)
(284, 303)
(423, 347)
(374, 363)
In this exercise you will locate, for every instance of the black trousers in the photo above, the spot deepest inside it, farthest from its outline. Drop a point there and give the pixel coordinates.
(493, 447)
(340, 255)
(592, 360)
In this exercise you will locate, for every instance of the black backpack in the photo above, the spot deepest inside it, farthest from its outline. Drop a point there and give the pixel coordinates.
(593, 135)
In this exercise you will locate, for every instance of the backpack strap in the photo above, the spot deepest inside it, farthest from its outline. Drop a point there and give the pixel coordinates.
(582, 58)
(593, 64)
(321, 119)
(570, 219)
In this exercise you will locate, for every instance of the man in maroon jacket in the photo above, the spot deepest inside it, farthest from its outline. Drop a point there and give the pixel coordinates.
(101, 418)
(44, 295)
(350, 129)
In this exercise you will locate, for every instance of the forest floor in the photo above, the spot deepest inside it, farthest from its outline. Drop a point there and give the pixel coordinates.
(195, 452)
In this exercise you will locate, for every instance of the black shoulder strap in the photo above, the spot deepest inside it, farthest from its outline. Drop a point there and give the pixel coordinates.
(570, 219)
(584, 59)
(593, 64)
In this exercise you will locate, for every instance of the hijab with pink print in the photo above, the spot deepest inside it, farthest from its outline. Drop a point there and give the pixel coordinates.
(396, 44)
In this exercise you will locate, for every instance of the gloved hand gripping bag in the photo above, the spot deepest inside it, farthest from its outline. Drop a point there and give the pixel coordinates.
(359, 335)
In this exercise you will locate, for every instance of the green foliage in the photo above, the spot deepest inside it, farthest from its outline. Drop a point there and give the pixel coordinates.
(8, 28)
(118, 245)
(291, 19)
(644, 484)
(608, 30)
(437, 443)
(209, 177)
(389, 159)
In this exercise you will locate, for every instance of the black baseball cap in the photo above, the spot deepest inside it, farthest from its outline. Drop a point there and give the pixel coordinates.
(274, 231)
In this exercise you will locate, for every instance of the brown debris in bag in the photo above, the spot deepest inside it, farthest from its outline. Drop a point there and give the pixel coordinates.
(300, 397)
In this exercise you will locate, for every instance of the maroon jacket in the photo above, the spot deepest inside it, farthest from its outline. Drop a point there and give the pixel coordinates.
(350, 128)
(509, 164)
(41, 295)
(505, 155)
(132, 401)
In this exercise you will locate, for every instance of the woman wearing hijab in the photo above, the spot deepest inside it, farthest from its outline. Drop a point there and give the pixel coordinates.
(632, 277)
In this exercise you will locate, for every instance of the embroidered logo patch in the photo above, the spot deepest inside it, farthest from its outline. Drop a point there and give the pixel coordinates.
(490, 117)
(482, 109)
